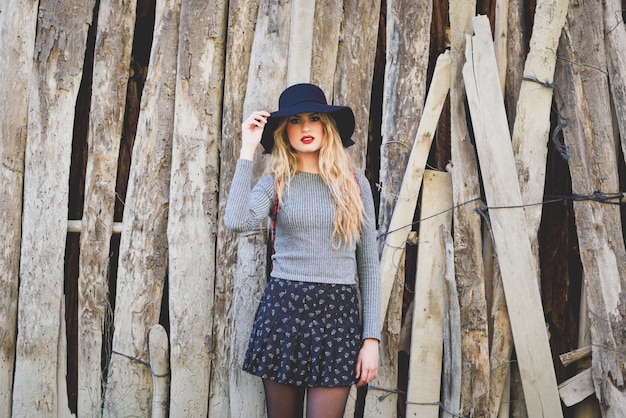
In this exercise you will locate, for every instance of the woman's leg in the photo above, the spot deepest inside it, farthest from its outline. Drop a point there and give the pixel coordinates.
(326, 402)
(283, 401)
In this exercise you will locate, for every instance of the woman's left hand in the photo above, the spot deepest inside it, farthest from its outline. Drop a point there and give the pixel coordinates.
(367, 362)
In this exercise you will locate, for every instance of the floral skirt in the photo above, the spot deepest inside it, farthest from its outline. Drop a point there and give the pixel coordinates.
(305, 334)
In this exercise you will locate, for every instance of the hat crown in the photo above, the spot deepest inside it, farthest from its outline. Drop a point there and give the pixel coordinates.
(301, 93)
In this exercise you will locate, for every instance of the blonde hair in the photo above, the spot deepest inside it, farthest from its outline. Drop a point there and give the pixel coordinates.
(336, 172)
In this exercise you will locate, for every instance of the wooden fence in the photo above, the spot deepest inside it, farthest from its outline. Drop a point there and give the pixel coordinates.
(493, 132)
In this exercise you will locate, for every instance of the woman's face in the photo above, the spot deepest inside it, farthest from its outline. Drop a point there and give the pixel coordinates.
(305, 132)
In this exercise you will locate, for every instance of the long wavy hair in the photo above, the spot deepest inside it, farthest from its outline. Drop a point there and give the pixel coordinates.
(336, 172)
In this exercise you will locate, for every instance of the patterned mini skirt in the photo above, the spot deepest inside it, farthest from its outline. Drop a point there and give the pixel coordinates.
(305, 334)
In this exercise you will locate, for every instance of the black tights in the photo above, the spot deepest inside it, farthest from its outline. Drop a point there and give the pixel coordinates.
(287, 401)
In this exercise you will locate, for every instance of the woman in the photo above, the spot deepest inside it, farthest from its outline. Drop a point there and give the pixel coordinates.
(308, 335)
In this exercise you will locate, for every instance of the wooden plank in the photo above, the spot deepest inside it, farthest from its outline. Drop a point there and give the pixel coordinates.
(15, 71)
(501, 335)
(589, 407)
(192, 225)
(63, 410)
(512, 245)
(516, 55)
(326, 39)
(518, 34)
(452, 357)
(400, 227)
(577, 388)
(246, 391)
(402, 218)
(353, 76)
(159, 361)
(615, 46)
(300, 42)
(267, 73)
(501, 33)
(407, 53)
(239, 45)
(142, 266)
(62, 32)
(575, 355)
(114, 37)
(532, 122)
(76, 225)
(426, 355)
(469, 269)
(401, 224)
(589, 138)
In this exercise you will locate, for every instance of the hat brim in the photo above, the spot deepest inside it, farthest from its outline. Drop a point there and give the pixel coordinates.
(342, 115)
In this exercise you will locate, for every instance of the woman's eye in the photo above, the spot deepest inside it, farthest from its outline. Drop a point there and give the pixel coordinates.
(314, 119)
(294, 121)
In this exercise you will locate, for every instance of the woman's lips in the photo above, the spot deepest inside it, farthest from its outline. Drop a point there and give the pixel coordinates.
(307, 139)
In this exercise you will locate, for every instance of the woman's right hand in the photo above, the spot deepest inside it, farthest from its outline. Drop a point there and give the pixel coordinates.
(251, 131)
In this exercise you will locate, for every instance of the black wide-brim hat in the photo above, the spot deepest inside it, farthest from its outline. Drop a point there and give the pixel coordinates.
(302, 98)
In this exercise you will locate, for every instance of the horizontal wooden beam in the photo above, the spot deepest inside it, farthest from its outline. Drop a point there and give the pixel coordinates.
(575, 355)
(577, 388)
(76, 225)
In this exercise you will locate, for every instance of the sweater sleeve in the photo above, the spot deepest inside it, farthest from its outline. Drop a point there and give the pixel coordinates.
(368, 265)
(247, 207)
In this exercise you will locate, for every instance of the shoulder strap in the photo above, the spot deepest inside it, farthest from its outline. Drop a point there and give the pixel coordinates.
(274, 215)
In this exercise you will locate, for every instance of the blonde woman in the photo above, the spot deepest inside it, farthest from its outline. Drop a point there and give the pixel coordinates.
(310, 336)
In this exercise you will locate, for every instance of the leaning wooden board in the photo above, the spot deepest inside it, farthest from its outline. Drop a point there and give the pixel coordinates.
(509, 228)
(54, 87)
(142, 267)
(266, 79)
(15, 71)
(192, 225)
(426, 355)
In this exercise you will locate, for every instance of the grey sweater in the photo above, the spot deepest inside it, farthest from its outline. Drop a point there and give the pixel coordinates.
(304, 224)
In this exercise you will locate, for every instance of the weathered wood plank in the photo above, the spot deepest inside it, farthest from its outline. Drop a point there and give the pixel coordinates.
(327, 29)
(512, 245)
(532, 122)
(15, 70)
(501, 335)
(589, 407)
(515, 57)
(159, 360)
(407, 54)
(400, 224)
(517, 40)
(452, 355)
(267, 73)
(192, 226)
(300, 42)
(615, 45)
(116, 19)
(142, 264)
(577, 388)
(239, 45)
(500, 34)
(426, 355)
(469, 269)
(589, 137)
(52, 97)
(246, 391)
(575, 355)
(353, 76)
